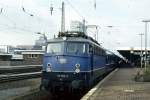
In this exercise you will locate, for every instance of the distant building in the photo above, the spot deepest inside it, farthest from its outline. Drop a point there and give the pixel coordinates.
(24, 47)
(17, 57)
(31, 57)
(4, 48)
(22, 54)
(22, 57)
(5, 59)
(5, 55)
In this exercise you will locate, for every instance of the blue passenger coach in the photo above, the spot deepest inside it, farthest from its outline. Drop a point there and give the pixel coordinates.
(73, 61)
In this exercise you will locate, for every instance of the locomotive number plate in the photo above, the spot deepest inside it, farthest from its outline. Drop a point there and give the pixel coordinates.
(62, 76)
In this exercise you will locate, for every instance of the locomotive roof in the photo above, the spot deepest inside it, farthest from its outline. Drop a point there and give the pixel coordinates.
(61, 39)
(74, 36)
(72, 39)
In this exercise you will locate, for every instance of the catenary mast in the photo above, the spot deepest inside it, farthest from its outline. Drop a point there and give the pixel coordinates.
(63, 19)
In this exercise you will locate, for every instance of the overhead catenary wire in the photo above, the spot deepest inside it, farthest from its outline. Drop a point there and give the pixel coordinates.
(15, 26)
(75, 10)
(90, 32)
(18, 29)
(95, 35)
(11, 19)
(8, 19)
(51, 8)
(23, 9)
(37, 17)
(1, 10)
(95, 4)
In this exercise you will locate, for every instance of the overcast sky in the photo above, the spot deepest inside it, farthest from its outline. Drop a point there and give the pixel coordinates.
(125, 16)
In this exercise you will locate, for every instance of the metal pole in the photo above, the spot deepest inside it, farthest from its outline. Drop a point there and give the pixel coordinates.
(141, 52)
(97, 32)
(146, 22)
(145, 45)
(63, 18)
(141, 55)
(84, 27)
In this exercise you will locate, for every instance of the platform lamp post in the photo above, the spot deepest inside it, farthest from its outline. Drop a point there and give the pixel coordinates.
(146, 22)
(131, 54)
(141, 54)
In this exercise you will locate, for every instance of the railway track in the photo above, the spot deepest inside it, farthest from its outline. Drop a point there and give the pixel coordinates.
(20, 76)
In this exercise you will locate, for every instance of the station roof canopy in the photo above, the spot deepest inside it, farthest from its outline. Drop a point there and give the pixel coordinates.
(131, 48)
(5, 54)
(30, 51)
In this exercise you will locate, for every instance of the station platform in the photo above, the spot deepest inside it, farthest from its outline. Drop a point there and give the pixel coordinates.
(20, 69)
(120, 85)
(21, 66)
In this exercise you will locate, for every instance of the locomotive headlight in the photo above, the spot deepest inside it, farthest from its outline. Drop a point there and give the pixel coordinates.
(77, 70)
(49, 67)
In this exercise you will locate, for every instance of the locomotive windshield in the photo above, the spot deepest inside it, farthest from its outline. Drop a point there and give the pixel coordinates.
(69, 47)
(76, 48)
(54, 48)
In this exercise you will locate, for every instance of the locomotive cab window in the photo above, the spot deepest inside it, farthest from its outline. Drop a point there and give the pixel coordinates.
(78, 48)
(54, 48)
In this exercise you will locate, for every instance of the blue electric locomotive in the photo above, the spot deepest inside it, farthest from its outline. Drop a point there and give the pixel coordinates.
(74, 61)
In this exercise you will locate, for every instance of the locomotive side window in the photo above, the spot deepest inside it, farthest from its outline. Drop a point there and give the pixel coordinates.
(76, 48)
(54, 47)
(96, 50)
(90, 49)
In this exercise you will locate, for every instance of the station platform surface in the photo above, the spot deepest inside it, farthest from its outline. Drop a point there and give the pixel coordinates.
(5, 70)
(20, 66)
(121, 86)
